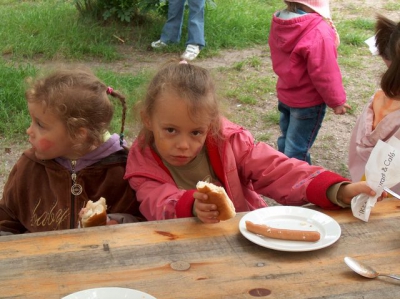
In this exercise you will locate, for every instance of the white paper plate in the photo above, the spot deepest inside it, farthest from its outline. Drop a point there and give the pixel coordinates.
(109, 293)
(288, 217)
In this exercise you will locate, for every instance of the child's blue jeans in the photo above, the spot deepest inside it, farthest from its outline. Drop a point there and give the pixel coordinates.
(299, 127)
(172, 29)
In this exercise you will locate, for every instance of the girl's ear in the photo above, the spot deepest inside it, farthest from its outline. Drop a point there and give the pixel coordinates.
(81, 135)
(146, 120)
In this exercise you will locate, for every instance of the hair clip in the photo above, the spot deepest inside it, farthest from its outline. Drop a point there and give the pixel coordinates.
(183, 62)
(109, 90)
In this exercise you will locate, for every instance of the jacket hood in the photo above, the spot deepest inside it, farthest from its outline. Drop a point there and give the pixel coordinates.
(290, 31)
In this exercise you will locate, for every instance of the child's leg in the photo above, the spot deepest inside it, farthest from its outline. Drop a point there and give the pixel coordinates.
(304, 124)
(196, 23)
(284, 119)
(172, 29)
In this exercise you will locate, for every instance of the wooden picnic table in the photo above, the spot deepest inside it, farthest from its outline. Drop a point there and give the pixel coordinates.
(184, 258)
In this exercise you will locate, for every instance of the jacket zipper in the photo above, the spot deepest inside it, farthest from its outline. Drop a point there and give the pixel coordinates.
(76, 190)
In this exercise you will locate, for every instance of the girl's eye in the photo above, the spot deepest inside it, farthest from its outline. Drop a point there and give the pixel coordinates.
(170, 130)
(39, 124)
(197, 133)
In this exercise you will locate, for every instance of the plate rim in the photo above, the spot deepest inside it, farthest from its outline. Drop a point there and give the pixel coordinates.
(133, 292)
(307, 247)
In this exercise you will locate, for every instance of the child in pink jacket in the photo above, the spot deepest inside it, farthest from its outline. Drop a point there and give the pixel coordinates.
(303, 43)
(184, 139)
(380, 118)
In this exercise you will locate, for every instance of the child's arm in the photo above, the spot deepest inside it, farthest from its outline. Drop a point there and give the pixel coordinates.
(9, 223)
(161, 200)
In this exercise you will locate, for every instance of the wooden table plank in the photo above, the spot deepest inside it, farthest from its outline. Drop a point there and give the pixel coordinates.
(223, 264)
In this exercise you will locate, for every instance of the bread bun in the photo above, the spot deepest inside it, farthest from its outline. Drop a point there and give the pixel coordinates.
(217, 195)
(94, 214)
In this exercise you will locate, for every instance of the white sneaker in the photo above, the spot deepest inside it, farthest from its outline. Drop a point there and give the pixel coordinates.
(191, 52)
(158, 44)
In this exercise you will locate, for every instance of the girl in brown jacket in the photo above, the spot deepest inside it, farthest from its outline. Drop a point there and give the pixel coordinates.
(73, 158)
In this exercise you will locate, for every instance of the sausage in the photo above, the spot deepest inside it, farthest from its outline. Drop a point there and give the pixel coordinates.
(283, 234)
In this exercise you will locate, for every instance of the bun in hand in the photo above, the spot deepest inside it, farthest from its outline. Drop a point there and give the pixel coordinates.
(94, 214)
(217, 195)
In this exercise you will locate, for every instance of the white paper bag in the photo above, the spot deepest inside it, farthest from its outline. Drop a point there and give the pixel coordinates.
(382, 170)
(371, 42)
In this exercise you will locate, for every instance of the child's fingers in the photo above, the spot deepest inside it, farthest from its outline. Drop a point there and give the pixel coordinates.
(202, 206)
(208, 217)
(200, 196)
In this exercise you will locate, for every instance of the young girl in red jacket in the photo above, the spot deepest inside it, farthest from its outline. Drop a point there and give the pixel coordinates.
(184, 140)
(73, 158)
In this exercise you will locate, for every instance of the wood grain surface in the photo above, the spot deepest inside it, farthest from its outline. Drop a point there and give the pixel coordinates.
(184, 258)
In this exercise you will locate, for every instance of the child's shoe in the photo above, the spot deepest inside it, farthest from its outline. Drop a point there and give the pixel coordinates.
(191, 52)
(158, 44)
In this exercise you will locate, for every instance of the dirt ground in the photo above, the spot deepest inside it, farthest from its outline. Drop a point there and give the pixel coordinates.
(330, 148)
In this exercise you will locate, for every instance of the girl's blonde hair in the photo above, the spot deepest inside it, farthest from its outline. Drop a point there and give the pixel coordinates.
(80, 100)
(193, 84)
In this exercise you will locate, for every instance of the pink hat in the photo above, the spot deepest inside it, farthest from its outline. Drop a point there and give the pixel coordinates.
(319, 6)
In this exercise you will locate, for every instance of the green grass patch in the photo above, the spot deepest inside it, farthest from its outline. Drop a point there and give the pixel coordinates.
(253, 88)
(272, 117)
(392, 5)
(50, 29)
(54, 29)
(129, 86)
(239, 25)
(355, 32)
(13, 109)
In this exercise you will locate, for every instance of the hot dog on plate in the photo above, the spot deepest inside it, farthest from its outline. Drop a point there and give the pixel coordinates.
(282, 234)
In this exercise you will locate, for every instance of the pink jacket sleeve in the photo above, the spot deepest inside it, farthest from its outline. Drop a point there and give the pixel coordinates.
(288, 181)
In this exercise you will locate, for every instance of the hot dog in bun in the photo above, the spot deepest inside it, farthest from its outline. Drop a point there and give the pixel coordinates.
(217, 195)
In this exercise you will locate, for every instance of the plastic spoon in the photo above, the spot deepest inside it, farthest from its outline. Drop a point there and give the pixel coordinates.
(365, 270)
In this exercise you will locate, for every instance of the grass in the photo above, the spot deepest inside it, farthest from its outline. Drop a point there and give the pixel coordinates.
(45, 30)
(38, 30)
(13, 110)
(131, 85)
